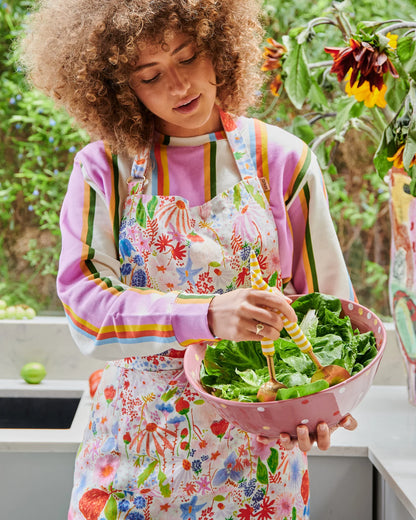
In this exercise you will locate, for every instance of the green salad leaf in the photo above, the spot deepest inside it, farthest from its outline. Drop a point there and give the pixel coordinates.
(236, 370)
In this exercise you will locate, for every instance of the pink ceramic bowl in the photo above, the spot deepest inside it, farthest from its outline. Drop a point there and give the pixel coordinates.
(330, 405)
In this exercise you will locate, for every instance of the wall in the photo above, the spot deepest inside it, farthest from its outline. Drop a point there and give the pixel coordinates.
(48, 340)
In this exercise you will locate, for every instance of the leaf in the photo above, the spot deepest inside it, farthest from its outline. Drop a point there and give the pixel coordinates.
(316, 94)
(262, 473)
(141, 214)
(219, 498)
(410, 147)
(397, 89)
(273, 460)
(344, 109)
(273, 280)
(298, 82)
(151, 206)
(385, 149)
(167, 395)
(237, 196)
(406, 51)
(110, 511)
(302, 129)
(164, 488)
(146, 473)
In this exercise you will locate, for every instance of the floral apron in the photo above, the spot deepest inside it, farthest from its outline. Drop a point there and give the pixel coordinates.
(154, 449)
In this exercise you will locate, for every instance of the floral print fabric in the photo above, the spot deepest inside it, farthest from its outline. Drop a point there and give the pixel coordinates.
(167, 245)
(153, 448)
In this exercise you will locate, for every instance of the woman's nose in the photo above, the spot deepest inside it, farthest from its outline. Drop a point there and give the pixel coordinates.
(178, 81)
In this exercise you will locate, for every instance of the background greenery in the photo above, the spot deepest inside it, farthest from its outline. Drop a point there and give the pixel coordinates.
(38, 142)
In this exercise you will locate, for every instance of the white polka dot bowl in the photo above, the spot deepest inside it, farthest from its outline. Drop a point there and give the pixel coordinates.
(330, 405)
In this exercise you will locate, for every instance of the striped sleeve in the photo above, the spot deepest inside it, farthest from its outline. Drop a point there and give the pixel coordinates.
(318, 262)
(309, 250)
(110, 320)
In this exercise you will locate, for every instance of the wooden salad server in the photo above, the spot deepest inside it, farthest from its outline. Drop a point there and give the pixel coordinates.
(333, 374)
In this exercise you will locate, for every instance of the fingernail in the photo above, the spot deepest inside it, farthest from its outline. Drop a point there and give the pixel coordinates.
(347, 422)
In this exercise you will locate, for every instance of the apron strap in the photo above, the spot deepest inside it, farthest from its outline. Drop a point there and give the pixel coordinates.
(261, 156)
(241, 153)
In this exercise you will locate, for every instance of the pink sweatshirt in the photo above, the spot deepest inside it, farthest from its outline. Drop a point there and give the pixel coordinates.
(110, 320)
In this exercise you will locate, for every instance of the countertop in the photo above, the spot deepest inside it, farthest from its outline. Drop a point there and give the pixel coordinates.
(386, 432)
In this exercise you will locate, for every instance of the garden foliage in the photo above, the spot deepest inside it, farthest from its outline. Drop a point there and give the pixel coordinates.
(38, 142)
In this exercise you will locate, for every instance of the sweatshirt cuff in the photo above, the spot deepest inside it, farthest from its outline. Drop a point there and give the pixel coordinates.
(190, 318)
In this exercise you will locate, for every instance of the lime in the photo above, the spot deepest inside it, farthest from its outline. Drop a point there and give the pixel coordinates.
(33, 373)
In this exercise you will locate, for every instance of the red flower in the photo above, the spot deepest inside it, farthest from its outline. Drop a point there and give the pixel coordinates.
(304, 489)
(109, 393)
(367, 63)
(219, 428)
(94, 380)
(127, 438)
(162, 243)
(92, 503)
(245, 514)
(182, 406)
(184, 433)
(204, 283)
(267, 510)
(179, 252)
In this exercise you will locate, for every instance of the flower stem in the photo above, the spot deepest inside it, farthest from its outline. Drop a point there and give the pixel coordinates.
(396, 26)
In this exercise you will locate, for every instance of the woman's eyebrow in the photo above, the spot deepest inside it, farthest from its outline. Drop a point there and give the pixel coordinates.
(175, 51)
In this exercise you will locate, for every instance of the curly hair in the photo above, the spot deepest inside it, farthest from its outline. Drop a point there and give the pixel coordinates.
(81, 53)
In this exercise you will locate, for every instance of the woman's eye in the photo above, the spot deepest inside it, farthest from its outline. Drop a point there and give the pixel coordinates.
(151, 80)
(189, 60)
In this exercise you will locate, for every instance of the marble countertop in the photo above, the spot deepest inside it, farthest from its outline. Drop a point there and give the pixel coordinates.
(386, 432)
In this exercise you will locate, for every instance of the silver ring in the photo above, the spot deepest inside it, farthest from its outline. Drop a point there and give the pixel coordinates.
(259, 328)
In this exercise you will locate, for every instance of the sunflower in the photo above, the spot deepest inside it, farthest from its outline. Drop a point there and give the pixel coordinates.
(364, 61)
(364, 93)
(272, 61)
(397, 158)
(272, 55)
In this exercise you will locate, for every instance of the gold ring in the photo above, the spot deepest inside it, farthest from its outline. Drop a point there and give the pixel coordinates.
(259, 328)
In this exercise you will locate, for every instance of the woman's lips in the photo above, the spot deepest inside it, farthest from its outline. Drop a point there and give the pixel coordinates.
(188, 106)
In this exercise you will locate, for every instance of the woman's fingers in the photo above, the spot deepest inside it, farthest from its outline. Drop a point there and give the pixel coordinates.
(322, 436)
(348, 422)
(287, 442)
(236, 314)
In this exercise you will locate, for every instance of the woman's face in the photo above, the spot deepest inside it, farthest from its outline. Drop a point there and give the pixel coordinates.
(177, 84)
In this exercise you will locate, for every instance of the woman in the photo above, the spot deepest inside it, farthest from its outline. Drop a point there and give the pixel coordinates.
(157, 225)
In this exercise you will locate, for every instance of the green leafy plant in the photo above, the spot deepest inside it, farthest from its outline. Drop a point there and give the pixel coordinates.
(347, 83)
(37, 146)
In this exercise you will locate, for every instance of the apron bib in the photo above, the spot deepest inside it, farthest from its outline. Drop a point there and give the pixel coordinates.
(154, 449)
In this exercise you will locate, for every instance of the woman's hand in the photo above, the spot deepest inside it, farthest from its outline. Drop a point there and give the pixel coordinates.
(235, 315)
(305, 440)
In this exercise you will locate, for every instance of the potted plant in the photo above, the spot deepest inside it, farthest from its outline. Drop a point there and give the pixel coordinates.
(366, 82)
